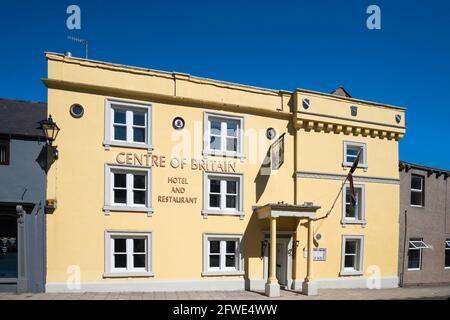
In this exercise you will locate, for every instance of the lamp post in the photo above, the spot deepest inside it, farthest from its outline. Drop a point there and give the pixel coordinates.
(51, 131)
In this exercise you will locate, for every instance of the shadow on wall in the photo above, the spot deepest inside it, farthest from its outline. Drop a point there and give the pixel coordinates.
(44, 159)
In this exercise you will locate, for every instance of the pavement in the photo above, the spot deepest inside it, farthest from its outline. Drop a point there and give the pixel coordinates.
(425, 292)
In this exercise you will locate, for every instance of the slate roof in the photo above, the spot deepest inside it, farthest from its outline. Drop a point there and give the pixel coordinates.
(340, 91)
(20, 117)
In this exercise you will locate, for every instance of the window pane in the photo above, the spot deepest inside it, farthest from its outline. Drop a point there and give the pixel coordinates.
(231, 187)
(230, 260)
(120, 245)
(120, 180)
(138, 118)
(139, 260)
(214, 201)
(215, 127)
(413, 259)
(120, 260)
(350, 246)
(119, 116)
(214, 261)
(120, 133)
(232, 128)
(349, 262)
(416, 198)
(139, 134)
(416, 182)
(231, 246)
(214, 186)
(120, 196)
(214, 246)
(139, 197)
(231, 202)
(447, 258)
(139, 245)
(214, 143)
(232, 144)
(139, 181)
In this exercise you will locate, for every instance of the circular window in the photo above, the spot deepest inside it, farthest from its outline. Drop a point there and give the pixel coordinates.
(271, 133)
(76, 110)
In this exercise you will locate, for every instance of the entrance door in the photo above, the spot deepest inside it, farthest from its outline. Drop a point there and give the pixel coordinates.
(282, 263)
(8, 248)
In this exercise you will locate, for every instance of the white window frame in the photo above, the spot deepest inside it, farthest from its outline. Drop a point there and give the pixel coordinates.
(417, 244)
(362, 145)
(110, 271)
(422, 191)
(223, 210)
(362, 206)
(223, 152)
(360, 255)
(128, 105)
(447, 248)
(109, 204)
(239, 270)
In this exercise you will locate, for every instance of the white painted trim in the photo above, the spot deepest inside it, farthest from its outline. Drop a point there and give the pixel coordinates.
(206, 137)
(360, 238)
(240, 254)
(363, 145)
(207, 211)
(362, 219)
(386, 282)
(109, 206)
(108, 142)
(207, 284)
(107, 253)
(332, 176)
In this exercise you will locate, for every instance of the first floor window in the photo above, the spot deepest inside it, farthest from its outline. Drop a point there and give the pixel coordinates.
(354, 211)
(128, 253)
(127, 188)
(416, 245)
(4, 152)
(222, 253)
(352, 254)
(223, 192)
(351, 150)
(447, 253)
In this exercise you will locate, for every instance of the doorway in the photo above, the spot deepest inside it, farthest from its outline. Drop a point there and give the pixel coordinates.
(283, 259)
(8, 248)
(281, 263)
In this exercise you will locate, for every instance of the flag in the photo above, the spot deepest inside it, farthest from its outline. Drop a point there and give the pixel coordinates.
(350, 180)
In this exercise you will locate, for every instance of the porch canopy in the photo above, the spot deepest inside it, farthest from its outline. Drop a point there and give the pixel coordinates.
(277, 210)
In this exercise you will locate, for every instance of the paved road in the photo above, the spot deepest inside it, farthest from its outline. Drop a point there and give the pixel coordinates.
(441, 292)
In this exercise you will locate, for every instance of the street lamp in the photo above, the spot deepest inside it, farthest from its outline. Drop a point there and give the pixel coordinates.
(51, 130)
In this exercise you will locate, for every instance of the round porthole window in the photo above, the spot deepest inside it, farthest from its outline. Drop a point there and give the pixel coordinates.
(271, 133)
(76, 110)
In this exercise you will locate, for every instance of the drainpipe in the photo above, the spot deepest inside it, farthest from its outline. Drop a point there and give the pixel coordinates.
(405, 234)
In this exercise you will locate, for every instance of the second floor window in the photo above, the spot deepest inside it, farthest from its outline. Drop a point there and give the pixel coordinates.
(223, 135)
(351, 150)
(417, 190)
(4, 152)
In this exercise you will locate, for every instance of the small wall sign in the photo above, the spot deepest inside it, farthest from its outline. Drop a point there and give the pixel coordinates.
(178, 123)
(319, 254)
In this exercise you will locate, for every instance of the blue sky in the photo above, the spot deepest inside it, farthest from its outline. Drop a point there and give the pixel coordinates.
(315, 45)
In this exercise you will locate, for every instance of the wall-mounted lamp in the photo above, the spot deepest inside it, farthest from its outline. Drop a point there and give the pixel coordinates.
(51, 131)
(294, 249)
(264, 245)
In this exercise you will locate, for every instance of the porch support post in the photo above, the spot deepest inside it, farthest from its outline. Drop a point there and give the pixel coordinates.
(272, 286)
(310, 286)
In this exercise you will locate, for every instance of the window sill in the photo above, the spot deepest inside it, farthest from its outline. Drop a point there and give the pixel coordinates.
(205, 213)
(222, 273)
(363, 223)
(108, 144)
(241, 156)
(349, 165)
(414, 269)
(127, 274)
(351, 273)
(416, 206)
(107, 209)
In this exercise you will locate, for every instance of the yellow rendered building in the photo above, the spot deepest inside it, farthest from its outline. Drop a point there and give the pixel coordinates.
(169, 182)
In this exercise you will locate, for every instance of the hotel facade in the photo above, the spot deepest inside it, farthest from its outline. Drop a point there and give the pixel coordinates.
(168, 182)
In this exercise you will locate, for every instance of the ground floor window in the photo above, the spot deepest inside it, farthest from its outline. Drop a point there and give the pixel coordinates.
(416, 245)
(352, 255)
(128, 253)
(447, 253)
(8, 246)
(222, 254)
